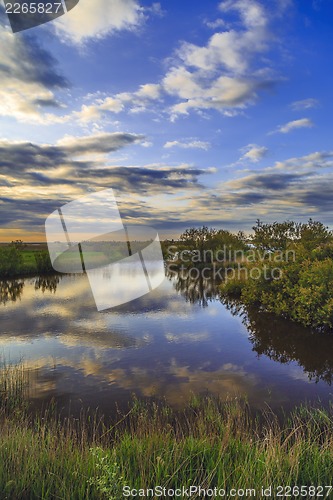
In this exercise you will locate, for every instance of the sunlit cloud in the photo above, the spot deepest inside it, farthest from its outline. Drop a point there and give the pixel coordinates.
(37, 179)
(195, 144)
(101, 107)
(98, 143)
(295, 124)
(91, 20)
(169, 198)
(253, 153)
(220, 75)
(227, 73)
(30, 79)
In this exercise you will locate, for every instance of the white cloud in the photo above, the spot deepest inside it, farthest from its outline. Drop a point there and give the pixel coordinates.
(156, 9)
(233, 49)
(101, 105)
(221, 74)
(134, 101)
(29, 78)
(304, 104)
(220, 93)
(297, 188)
(187, 145)
(149, 91)
(98, 18)
(98, 143)
(253, 153)
(295, 124)
(93, 112)
(181, 82)
(252, 13)
(222, 49)
(218, 23)
(225, 74)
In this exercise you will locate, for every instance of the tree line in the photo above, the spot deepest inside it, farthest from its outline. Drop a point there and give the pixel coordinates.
(302, 290)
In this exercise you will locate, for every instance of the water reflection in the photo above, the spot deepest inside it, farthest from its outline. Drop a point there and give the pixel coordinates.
(47, 283)
(179, 339)
(285, 341)
(195, 290)
(11, 290)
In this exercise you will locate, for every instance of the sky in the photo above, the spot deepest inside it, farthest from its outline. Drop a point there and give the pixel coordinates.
(194, 112)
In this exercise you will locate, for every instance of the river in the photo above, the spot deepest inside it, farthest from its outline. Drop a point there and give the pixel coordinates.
(178, 340)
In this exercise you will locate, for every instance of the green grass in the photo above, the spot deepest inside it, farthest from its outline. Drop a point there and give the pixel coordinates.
(18, 262)
(28, 257)
(29, 261)
(94, 259)
(210, 443)
(36, 261)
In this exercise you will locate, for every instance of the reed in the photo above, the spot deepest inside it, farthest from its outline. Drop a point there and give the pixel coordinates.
(211, 443)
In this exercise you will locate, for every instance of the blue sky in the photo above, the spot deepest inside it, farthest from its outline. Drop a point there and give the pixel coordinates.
(194, 112)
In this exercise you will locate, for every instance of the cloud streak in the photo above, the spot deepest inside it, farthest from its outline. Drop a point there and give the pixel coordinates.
(98, 143)
(253, 153)
(295, 124)
(195, 144)
(304, 104)
(36, 179)
(29, 75)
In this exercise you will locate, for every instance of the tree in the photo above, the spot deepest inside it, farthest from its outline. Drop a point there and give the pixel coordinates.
(10, 260)
(279, 235)
(274, 236)
(43, 262)
(313, 234)
(207, 242)
(198, 238)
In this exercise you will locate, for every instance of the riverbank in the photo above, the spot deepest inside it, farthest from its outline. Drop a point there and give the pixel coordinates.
(19, 260)
(210, 443)
(285, 268)
(300, 290)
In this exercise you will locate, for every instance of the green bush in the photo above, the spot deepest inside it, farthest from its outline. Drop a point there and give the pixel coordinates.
(313, 296)
(43, 262)
(10, 261)
(107, 480)
(303, 291)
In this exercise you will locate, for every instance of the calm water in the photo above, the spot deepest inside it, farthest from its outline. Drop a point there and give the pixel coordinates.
(180, 339)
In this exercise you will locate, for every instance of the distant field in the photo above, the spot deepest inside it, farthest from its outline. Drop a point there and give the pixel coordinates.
(94, 258)
(10, 267)
(69, 260)
(34, 247)
(29, 258)
(28, 266)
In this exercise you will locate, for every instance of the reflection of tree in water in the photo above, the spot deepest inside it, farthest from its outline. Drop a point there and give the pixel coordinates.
(285, 341)
(47, 283)
(11, 290)
(196, 290)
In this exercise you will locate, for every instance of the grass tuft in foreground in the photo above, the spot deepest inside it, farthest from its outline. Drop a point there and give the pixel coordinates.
(210, 443)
